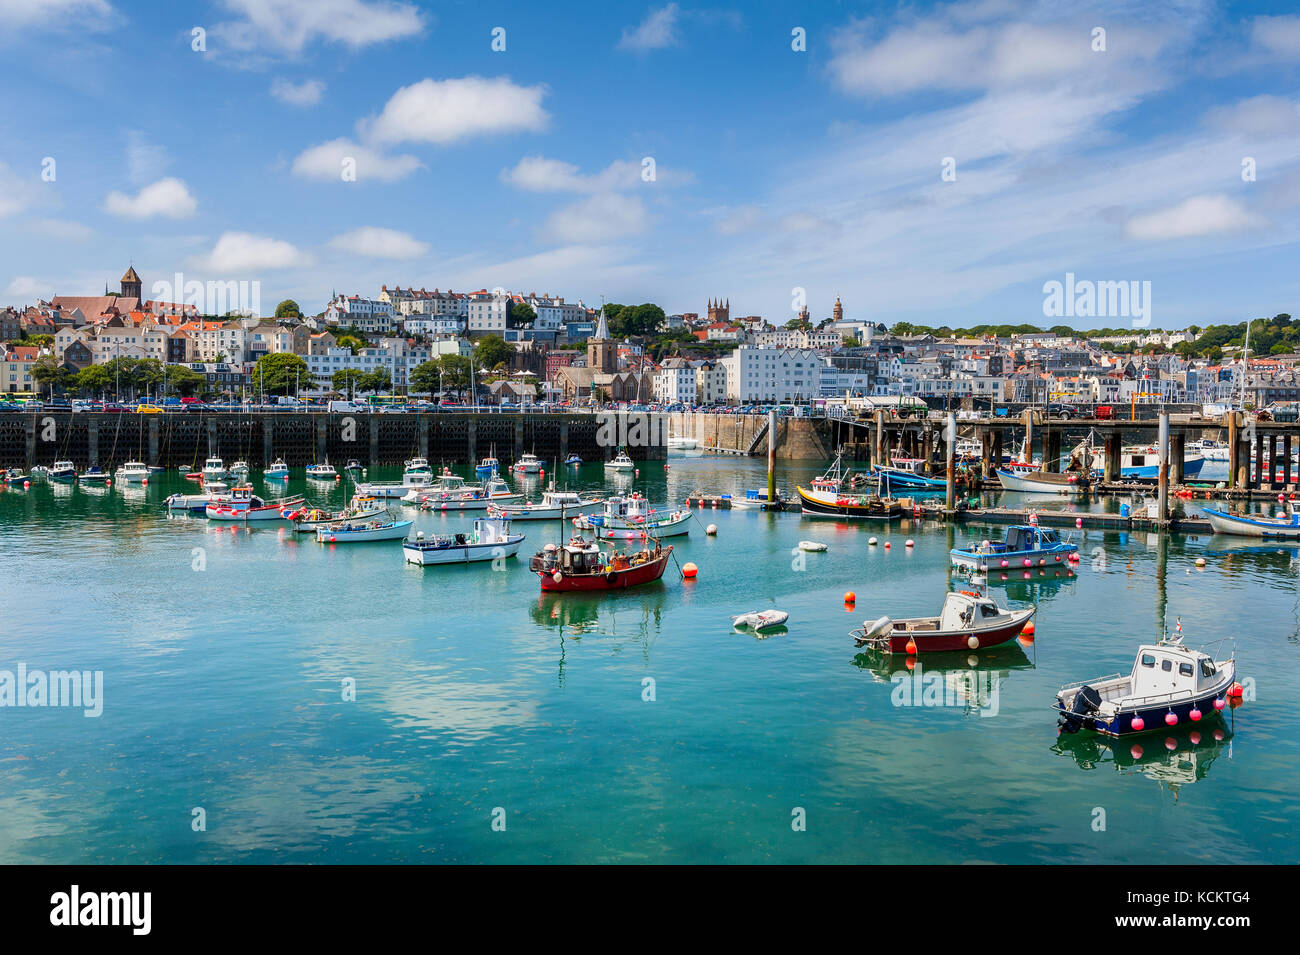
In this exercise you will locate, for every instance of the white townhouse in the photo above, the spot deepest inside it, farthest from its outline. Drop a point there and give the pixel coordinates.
(366, 314)
(487, 313)
(675, 381)
(757, 374)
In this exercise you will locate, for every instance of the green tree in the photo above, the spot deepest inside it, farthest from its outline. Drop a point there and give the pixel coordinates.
(48, 371)
(520, 315)
(279, 373)
(492, 350)
(347, 380)
(288, 309)
(455, 372)
(423, 378)
(375, 381)
(628, 320)
(92, 380)
(352, 342)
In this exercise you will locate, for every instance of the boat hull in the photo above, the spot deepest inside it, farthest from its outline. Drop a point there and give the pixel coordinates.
(526, 513)
(426, 554)
(1153, 717)
(267, 512)
(900, 479)
(674, 527)
(828, 505)
(941, 641)
(397, 531)
(1012, 559)
(1239, 526)
(614, 580)
(1030, 484)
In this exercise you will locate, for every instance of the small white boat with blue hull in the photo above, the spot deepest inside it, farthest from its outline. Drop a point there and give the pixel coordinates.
(1169, 685)
(1244, 525)
(1025, 545)
(491, 539)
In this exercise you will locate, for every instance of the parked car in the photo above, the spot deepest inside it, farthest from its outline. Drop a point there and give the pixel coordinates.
(147, 409)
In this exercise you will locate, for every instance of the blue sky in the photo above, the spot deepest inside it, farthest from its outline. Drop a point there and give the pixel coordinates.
(775, 169)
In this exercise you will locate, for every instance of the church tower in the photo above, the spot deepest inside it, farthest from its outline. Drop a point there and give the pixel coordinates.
(602, 351)
(131, 283)
(837, 313)
(719, 312)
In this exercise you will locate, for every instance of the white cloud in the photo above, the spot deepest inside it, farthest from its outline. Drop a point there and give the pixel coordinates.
(599, 218)
(306, 93)
(62, 229)
(939, 53)
(656, 31)
(25, 288)
(1259, 116)
(245, 252)
(737, 220)
(14, 193)
(169, 198)
(444, 111)
(539, 174)
(145, 161)
(52, 13)
(325, 162)
(1279, 36)
(289, 25)
(1197, 216)
(378, 243)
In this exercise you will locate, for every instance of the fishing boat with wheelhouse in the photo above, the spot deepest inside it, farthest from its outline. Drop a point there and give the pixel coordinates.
(580, 565)
(1169, 685)
(306, 520)
(491, 539)
(829, 496)
(1024, 545)
(554, 505)
(241, 504)
(632, 518)
(968, 621)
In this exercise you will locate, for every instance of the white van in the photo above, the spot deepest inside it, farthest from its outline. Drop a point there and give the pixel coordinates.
(345, 407)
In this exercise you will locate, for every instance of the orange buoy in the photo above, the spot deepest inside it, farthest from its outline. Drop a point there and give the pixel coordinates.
(886, 545)
(690, 571)
(911, 647)
(1028, 629)
(1235, 691)
(850, 596)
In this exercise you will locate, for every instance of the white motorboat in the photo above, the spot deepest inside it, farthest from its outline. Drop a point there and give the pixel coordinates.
(528, 463)
(306, 520)
(241, 504)
(491, 539)
(1286, 526)
(632, 518)
(63, 471)
(554, 505)
(468, 497)
(132, 472)
(278, 471)
(360, 532)
(213, 469)
(412, 480)
(812, 546)
(239, 470)
(193, 503)
(1041, 482)
(620, 462)
(1169, 685)
(322, 472)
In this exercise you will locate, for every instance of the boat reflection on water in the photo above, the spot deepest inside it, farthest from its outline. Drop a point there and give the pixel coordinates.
(967, 680)
(1177, 758)
(609, 613)
(1235, 557)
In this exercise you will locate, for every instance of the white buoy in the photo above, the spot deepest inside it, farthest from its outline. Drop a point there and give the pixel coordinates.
(910, 543)
(872, 542)
(711, 529)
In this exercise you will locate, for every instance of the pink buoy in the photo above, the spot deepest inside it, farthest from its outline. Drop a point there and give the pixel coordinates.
(1219, 703)
(1004, 563)
(1195, 715)
(1028, 562)
(1171, 718)
(1138, 724)
(1078, 522)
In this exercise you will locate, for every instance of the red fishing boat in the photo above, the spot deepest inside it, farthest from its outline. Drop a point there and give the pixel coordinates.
(968, 621)
(581, 565)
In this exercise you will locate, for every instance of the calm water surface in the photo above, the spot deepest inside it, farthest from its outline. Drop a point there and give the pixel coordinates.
(223, 690)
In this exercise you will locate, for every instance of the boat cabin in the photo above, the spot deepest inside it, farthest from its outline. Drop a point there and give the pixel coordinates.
(1022, 537)
(581, 557)
(964, 610)
(1170, 668)
(561, 499)
(631, 508)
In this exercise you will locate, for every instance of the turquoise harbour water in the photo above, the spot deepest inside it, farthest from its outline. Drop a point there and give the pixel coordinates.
(223, 689)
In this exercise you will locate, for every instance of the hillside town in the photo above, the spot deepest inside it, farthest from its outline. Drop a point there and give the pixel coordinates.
(528, 349)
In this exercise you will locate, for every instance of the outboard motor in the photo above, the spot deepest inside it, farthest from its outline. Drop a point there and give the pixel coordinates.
(1086, 702)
